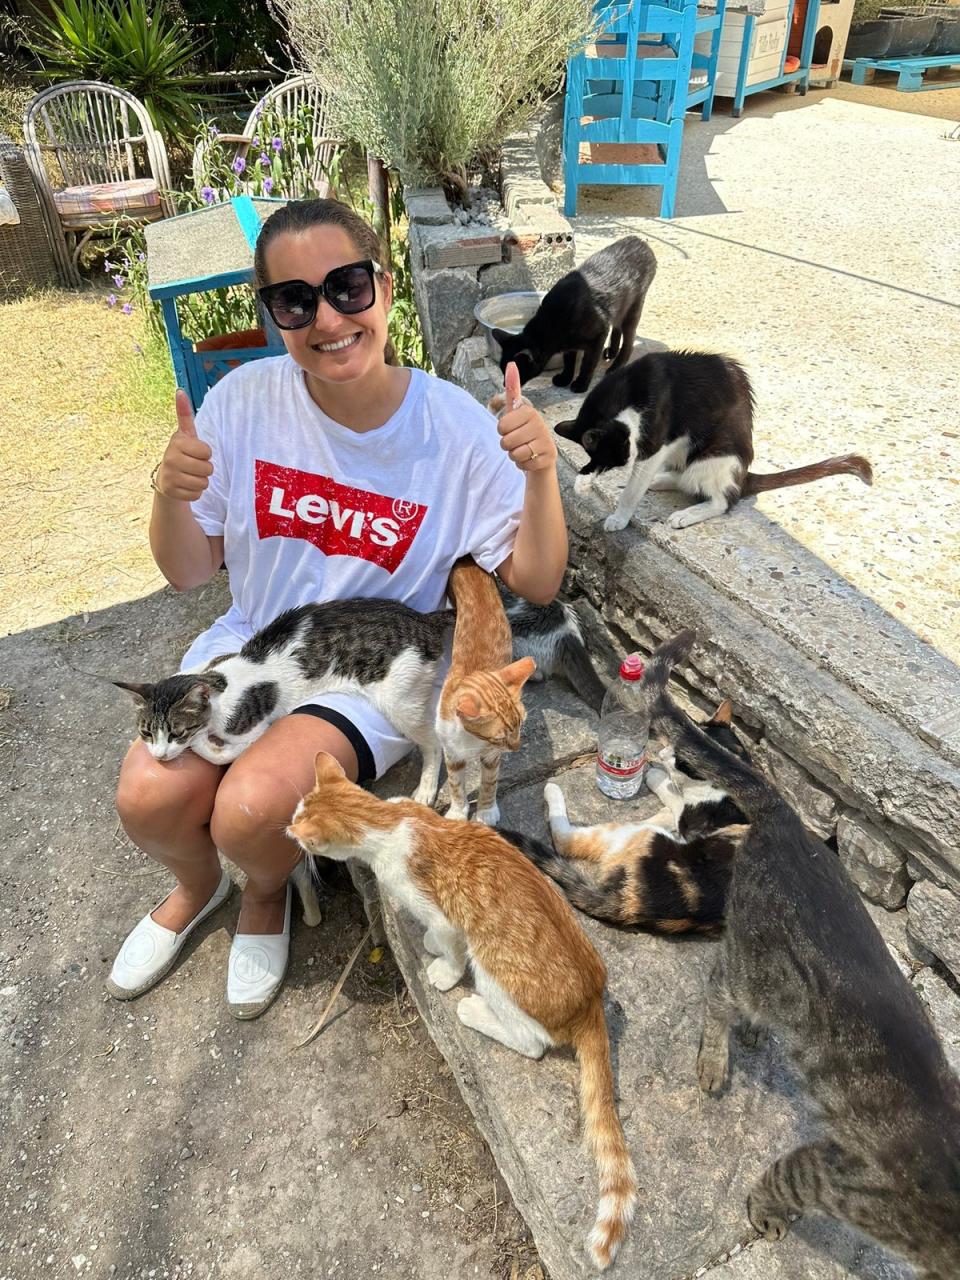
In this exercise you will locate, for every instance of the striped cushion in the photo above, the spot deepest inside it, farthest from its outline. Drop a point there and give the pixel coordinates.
(108, 197)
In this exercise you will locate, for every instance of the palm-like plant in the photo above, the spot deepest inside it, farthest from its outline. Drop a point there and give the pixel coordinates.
(127, 44)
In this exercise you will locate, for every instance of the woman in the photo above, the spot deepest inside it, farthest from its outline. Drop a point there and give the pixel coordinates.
(318, 475)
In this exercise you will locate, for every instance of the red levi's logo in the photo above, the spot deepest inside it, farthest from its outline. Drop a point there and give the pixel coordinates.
(341, 521)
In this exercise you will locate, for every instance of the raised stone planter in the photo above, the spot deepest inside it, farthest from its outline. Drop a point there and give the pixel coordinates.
(522, 243)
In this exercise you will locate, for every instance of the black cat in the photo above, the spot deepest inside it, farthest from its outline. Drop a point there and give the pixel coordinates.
(605, 294)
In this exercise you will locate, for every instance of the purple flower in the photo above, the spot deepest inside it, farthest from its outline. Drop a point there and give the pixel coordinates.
(277, 144)
(207, 195)
(256, 139)
(112, 300)
(239, 165)
(213, 131)
(264, 159)
(267, 185)
(127, 308)
(109, 266)
(119, 281)
(141, 257)
(126, 262)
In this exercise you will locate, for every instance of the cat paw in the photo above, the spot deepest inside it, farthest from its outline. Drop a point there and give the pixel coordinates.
(769, 1220)
(474, 1012)
(424, 795)
(560, 380)
(582, 485)
(458, 813)
(712, 1070)
(489, 817)
(580, 386)
(615, 522)
(442, 974)
(431, 945)
(657, 777)
(553, 799)
(395, 799)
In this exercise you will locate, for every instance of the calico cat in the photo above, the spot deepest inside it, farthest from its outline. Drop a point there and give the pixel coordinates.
(380, 648)
(669, 873)
(539, 981)
(682, 420)
(801, 955)
(480, 714)
(551, 635)
(605, 294)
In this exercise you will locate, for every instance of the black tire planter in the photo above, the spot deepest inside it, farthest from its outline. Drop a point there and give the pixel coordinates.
(869, 39)
(947, 38)
(911, 35)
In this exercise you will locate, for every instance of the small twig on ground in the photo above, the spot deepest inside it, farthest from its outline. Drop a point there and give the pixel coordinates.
(315, 1031)
(496, 1211)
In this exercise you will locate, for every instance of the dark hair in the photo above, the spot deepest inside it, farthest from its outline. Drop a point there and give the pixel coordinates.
(300, 215)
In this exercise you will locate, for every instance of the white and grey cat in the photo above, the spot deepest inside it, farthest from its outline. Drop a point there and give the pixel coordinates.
(551, 634)
(384, 650)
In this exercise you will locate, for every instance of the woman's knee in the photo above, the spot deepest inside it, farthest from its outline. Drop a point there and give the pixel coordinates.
(251, 812)
(162, 794)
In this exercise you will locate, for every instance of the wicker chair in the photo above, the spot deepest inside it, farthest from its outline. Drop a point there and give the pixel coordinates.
(288, 100)
(111, 159)
(28, 257)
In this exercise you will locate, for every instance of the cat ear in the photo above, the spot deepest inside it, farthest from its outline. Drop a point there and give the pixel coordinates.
(591, 439)
(327, 768)
(141, 692)
(517, 674)
(198, 695)
(568, 430)
(468, 706)
(723, 713)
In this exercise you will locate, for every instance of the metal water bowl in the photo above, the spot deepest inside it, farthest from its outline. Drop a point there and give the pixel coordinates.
(508, 311)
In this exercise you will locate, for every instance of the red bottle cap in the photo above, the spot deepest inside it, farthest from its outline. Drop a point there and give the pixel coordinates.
(632, 667)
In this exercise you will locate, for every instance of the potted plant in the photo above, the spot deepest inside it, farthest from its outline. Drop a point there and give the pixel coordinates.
(870, 35)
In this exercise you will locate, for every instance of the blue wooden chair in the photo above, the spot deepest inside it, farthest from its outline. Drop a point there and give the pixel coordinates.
(631, 87)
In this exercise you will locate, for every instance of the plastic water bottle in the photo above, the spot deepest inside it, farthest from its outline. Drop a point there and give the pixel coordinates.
(622, 741)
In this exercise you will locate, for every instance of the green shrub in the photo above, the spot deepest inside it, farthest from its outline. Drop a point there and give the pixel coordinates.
(431, 86)
(126, 43)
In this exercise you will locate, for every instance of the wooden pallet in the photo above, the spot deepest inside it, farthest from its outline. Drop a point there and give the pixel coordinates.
(911, 70)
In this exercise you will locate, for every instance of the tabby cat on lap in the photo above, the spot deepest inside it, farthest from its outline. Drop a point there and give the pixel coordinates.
(480, 713)
(682, 420)
(800, 954)
(539, 981)
(382, 649)
(604, 295)
(669, 873)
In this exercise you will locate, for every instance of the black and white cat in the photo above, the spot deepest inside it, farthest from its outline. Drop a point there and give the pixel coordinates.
(552, 636)
(682, 420)
(384, 650)
(603, 295)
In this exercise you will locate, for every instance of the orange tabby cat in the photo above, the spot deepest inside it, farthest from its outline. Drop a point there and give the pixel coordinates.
(480, 713)
(539, 981)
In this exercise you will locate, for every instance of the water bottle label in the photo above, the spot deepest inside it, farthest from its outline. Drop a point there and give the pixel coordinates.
(617, 766)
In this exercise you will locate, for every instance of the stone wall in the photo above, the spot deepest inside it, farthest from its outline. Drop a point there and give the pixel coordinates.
(513, 240)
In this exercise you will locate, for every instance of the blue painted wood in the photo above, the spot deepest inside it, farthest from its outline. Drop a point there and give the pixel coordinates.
(634, 98)
(911, 70)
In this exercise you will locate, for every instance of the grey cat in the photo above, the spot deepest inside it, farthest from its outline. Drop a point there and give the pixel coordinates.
(801, 955)
(552, 636)
(603, 295)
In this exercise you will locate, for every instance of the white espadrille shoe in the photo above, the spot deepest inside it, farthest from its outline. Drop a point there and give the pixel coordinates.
(150, 949)
(258, 965)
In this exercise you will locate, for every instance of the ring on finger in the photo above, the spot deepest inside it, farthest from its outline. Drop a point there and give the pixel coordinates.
(533, 453)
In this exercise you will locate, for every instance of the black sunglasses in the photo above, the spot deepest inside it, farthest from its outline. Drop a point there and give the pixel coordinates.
(350, 289)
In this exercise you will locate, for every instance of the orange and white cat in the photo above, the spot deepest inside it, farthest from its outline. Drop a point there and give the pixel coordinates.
(480, 713)
(539, 981)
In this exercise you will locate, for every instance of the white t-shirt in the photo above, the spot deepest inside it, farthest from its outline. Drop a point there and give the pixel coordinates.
(310, 510)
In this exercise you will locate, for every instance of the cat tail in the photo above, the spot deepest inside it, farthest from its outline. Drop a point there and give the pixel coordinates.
(849, 464)
(573, 663)
(604, 1133)
(578, 884)
(749, 789)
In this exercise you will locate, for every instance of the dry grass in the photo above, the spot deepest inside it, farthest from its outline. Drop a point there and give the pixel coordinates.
(89, 409)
